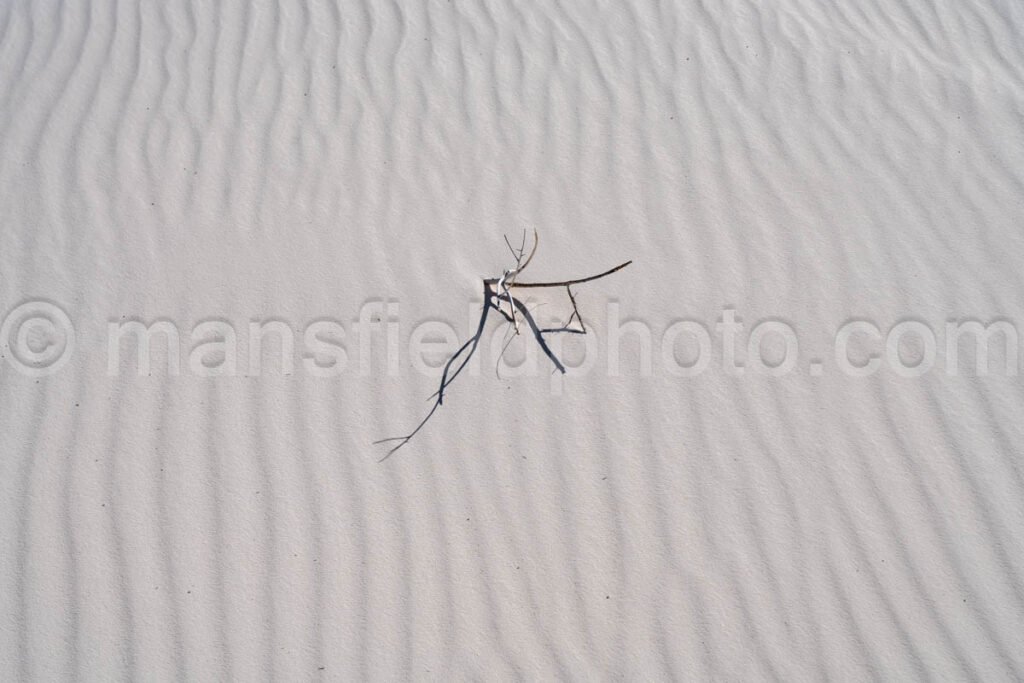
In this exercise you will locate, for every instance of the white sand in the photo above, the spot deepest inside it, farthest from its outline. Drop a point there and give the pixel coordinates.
(191, 161)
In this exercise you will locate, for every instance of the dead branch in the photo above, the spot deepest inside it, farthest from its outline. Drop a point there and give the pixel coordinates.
(496, 292)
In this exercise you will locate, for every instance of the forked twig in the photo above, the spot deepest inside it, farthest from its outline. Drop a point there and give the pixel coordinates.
(508, 278)
(496, 292)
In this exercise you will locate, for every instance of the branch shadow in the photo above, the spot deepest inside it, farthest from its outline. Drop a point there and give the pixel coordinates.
(491, 301)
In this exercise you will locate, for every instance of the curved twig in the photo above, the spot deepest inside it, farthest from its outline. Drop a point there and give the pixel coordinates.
(496, 290)
(563, 283)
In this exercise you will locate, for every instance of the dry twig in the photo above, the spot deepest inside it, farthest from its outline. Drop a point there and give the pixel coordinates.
(498, 291)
